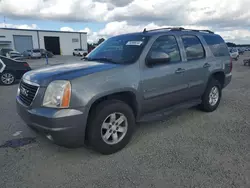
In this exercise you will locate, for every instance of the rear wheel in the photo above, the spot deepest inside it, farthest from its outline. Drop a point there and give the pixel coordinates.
(7, 78)
(110, 127)
(212, 96)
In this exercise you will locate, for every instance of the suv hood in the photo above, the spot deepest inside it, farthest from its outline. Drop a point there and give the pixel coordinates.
(44, 76)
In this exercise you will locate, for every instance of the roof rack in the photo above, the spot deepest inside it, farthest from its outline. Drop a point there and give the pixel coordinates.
(177, 29)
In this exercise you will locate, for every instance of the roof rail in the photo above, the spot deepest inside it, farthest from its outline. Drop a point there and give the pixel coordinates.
(164, 28)
(200, 30)
(176, 29)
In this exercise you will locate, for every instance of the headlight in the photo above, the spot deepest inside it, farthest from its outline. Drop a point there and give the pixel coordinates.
(57, 94)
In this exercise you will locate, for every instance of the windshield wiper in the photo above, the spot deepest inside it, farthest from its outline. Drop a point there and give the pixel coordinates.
(101, 59)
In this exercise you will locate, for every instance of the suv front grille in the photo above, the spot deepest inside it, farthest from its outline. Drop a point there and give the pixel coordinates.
(27, 93)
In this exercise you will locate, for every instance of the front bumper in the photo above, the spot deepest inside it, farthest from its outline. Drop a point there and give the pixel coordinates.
(65, 126)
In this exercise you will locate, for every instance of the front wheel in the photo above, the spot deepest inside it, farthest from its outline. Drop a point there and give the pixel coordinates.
(111, 126)
(7, 78)
(212, 96)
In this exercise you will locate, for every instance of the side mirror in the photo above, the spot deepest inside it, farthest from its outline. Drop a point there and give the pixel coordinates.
(157, 58)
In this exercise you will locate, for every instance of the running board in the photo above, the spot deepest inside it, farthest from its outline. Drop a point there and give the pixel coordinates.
(159, 115)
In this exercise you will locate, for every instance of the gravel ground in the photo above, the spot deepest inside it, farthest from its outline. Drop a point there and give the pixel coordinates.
(190, 149)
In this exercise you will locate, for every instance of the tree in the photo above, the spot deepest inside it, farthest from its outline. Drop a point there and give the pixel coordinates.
(100, 41)
(230, 44)
(90, 47)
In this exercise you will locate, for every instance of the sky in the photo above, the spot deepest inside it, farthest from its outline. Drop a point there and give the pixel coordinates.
(106, 18)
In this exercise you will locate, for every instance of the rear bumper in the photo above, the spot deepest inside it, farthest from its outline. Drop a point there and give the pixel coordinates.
(228, 79)
(65, 126)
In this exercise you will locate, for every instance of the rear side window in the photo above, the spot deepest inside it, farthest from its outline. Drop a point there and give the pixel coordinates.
(193, 47)
(216, 45)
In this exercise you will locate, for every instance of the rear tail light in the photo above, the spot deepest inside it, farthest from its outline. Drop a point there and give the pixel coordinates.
(231, 64)
(26, 65)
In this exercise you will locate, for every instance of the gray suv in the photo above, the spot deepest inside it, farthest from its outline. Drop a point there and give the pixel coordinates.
(129, 78)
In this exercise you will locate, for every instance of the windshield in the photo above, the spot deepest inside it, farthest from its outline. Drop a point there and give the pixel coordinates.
(124, 49)
(36, 50)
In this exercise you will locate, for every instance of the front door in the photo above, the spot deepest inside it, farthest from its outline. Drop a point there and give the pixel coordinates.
(164, 84)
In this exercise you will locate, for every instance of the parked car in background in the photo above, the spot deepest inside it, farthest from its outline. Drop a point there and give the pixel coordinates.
(80, 52)
(234, 53)
(45, 52)
(11, 70)
(15, 55)
(5, 51)
(11, 53)
(128, 78)
(34, 53)
(241, 51)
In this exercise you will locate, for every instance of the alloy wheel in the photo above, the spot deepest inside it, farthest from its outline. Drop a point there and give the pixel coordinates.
(214, 96)
(7, 78)
(114, 128)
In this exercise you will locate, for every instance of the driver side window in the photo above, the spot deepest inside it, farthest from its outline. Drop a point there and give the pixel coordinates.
(165, 46)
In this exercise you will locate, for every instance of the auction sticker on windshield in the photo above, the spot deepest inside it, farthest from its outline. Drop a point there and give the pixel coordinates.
(134, 43)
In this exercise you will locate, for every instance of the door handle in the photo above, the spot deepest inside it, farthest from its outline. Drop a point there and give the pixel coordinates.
(206, 65)
(179, 70)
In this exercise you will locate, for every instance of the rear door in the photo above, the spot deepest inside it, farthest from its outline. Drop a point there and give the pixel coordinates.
(196, 65)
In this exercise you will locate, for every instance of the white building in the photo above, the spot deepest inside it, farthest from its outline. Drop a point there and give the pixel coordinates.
(58, 42)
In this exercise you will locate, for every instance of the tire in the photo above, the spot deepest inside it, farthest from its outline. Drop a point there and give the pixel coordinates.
(5, 75)
(79, 54)
(206, 105)
(95, 131)
(74, 54)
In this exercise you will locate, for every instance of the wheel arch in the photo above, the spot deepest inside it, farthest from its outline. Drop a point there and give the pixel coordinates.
(218, 75)
(127, 96)
(123, 95)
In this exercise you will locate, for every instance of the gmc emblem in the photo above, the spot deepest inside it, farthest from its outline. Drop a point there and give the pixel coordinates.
(24, 91)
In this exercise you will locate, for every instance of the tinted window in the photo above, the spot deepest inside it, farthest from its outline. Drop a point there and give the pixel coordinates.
(123, 49)
(216, 45)
(193, 47)
(36, 50)
(167, 44)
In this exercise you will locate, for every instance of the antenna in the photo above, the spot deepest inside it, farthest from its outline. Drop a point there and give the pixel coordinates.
(4, 21)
